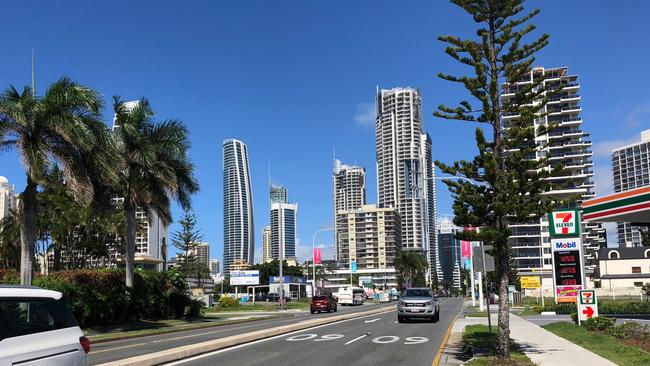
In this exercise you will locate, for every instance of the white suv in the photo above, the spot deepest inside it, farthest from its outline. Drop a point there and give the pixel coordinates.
(36, 329)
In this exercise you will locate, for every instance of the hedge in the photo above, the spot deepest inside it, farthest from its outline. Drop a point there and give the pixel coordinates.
(99, 297)
(604, 307)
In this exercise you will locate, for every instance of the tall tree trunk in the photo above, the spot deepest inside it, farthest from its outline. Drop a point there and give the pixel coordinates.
(27, 232)
(131, 226)
(503, 349)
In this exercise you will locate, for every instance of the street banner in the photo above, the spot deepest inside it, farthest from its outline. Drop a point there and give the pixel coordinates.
(587, 305)
(353, 266)
(317, 256)
(530, 282)
(465, 249)
(567, 268)
(244, 278)
(565, 223)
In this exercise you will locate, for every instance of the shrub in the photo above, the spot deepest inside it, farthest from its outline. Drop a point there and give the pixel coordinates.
(195, 308)
(574, 317)
(563, 308)
(228, 302)
(629, 330)
(599, 323)
(9, 277)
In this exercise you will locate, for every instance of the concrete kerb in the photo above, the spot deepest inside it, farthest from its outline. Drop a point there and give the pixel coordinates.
(180, 353)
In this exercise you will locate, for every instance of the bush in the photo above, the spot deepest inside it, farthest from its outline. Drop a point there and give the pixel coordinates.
(9, 277)
(228, 302)
(629, 330)
(195, 308)
(624, 307)
(562, 308)
(574, 317)
(599, 324)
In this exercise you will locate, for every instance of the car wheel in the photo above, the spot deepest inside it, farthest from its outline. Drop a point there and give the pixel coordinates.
(313, 312)
(400, 319)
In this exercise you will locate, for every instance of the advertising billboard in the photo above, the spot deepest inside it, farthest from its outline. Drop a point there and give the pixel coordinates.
(565, 223)
(567, 268)
(244, 278)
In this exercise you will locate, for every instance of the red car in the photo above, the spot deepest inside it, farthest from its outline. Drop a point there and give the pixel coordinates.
(322, 303)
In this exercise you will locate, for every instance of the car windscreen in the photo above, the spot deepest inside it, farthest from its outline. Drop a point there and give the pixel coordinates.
(415, 292)
(22, 316)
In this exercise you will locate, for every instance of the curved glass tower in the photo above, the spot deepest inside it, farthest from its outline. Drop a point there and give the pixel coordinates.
(238, 230)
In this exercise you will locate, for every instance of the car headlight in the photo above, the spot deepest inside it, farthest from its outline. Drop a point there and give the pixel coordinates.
(402, 303)
(428, 303)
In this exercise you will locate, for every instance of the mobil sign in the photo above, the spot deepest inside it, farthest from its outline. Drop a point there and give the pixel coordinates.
(565, 223)
(566, 244)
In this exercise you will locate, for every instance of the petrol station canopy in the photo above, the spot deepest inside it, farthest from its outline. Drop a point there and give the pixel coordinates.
(630, 206)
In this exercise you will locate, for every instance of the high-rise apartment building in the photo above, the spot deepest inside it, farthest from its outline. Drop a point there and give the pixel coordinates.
(405, 174)
(449, 251)
(8, 198)
(569, 147)
(278, 194)
(214, 267)
(202, 253)
(283, 230)
(238, 228)
(631, 167)
(369, 235)
(266, 244)
(349, 188)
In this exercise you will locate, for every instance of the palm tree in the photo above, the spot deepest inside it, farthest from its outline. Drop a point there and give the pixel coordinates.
(411, 265)
(156, 168)
(59, 129)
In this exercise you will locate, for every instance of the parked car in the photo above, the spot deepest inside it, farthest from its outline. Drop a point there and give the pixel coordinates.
(418, 303)
(275, 297)
(37, 329)
(394, 297)
(322, 303)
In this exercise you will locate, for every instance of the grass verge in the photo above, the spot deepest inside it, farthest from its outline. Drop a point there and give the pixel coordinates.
(601, 344)
(163, 327)
(260, 306)
(477, 336)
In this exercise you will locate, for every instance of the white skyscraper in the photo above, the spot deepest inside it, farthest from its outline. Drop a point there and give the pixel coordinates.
(238, 229)
(266, 244)
(567, 145)
(405, 175)
(349, 190)
(631, 167)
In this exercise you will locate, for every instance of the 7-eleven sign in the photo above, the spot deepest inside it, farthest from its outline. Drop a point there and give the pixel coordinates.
(564, 223)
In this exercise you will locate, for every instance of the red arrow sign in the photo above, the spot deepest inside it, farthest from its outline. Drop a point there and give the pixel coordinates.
(588, 311)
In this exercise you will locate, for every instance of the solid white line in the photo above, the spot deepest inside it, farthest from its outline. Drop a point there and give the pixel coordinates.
(180, 362)
(356, 339)
(373, 320)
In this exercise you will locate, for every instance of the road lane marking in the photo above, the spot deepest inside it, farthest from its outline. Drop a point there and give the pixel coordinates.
(301, 337)
(356, 339)
(441, 349)
(113, 349)
(373, 320)
(213, 353)
(329, 337)
(385, 339)
(416, 340)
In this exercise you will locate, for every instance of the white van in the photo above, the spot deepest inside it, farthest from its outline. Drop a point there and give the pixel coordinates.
(36, 329)
(351, 296)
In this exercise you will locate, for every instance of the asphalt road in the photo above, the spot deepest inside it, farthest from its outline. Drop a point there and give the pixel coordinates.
(117, 350)
(372, 340)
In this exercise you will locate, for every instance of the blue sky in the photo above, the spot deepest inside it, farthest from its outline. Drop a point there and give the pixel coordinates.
(292, 79)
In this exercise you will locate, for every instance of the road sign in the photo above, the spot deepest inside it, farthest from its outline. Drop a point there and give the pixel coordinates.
(530, 282)
(565, 223)
(587, 305)
(240, 278)
(353, 266)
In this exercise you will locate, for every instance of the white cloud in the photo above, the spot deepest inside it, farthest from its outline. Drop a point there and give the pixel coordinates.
(612, 236)
(603, 179)
(603, 149)
(639, 116)
(365, 114)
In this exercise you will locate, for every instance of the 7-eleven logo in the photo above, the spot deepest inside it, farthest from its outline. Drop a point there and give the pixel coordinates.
(564, 222)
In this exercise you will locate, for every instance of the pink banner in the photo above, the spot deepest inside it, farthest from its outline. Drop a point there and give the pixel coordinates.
(465, 249)
(317, 256)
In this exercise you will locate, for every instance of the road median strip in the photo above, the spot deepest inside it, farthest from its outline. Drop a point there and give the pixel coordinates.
(183, 352)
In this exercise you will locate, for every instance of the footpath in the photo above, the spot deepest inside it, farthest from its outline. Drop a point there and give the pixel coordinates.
(541, 346)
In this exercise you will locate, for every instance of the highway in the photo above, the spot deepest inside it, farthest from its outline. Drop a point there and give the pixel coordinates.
(121, 349)
(370, 340)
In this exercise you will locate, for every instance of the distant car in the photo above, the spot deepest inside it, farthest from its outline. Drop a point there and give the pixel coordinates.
(275, 297)
(322, 303)
(418, 303)
(37, 329)
(394, 297)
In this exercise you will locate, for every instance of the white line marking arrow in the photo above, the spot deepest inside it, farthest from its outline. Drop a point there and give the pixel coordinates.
(370, 321)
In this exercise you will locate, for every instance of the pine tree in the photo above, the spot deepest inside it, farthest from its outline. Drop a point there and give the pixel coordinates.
(504, 185)
(186, 240)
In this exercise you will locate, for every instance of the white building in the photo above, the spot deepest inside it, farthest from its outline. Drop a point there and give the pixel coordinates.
(623, 270)
(8, 198)
(214, 267)
(238, 228)
(568, 145)
(404, 168)
(283, 230)
(202, 253)
(349, 190)
(266, 244)
(631, 167)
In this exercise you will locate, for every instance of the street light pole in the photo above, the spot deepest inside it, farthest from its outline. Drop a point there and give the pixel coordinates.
(313, 258)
